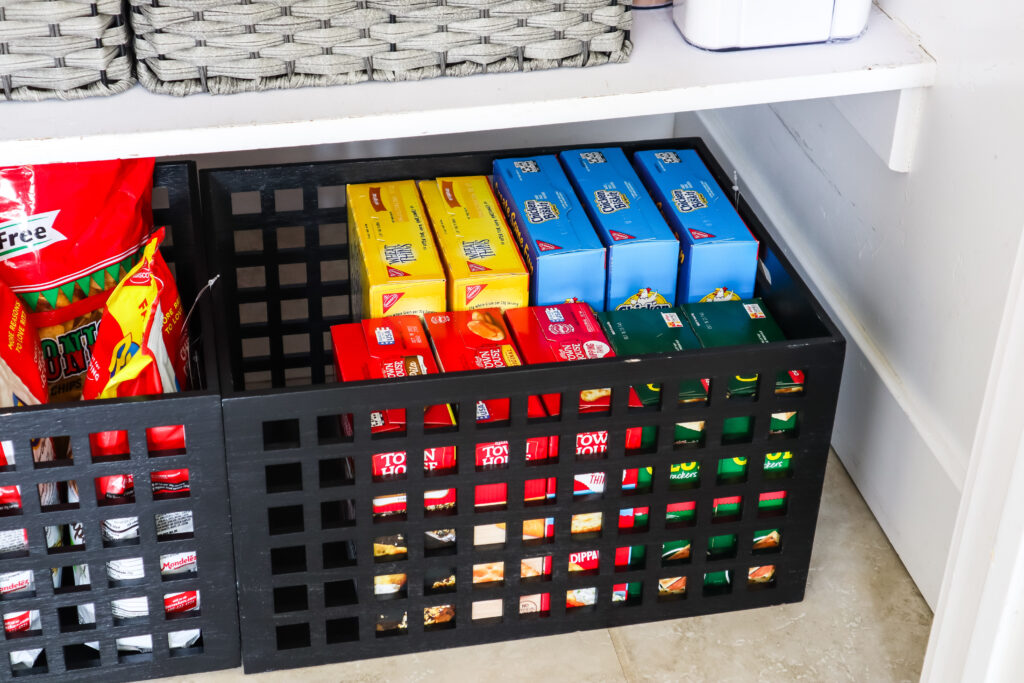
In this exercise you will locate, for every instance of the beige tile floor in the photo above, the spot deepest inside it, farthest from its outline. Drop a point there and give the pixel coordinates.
(862, 620)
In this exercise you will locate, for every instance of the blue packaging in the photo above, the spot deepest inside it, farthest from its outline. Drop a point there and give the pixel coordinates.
(565, 256)
(718, 255)
(643, 252)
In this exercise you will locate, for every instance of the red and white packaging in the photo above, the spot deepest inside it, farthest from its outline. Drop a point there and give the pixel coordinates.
(385, 349)
(480, 340)
(22, 382)
(627, 516)
(22, 622)
(591, 483)
(141, 349)
(584, 561)
(557, 334)
(68, 233)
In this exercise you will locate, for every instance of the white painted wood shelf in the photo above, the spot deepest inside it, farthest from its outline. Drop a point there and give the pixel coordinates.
(665, 75)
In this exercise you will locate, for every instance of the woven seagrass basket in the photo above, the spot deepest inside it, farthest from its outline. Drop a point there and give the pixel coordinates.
(222, 46)
(66, 49)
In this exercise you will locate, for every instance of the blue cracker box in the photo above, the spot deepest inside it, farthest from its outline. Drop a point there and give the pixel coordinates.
(717, 253)
(565, 256)
(642, 250)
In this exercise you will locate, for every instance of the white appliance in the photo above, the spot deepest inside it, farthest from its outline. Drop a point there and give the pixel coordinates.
(732, 24)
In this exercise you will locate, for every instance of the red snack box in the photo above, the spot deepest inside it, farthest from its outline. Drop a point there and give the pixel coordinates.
(560, 333)
(383, 349)
(479, 340)
(387, 348)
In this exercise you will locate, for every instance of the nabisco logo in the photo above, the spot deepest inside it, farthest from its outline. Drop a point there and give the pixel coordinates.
(472, 291)
(610, 201)
(375, 199)
(688, 200)
(24, 235)
(537, 211)
(448, 192)
(390, 299)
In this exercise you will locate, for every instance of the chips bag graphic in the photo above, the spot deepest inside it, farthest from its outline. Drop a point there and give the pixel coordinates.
(68, 234)
(141, 348)
(22, 382)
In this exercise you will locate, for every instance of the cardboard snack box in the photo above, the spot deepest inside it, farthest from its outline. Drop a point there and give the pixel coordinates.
(479, 340)
(565, 256)
(736, 323)
(383, 349)
(482, 262)
(561, 333)
(718, 255)
(394, 265)
(642, 251)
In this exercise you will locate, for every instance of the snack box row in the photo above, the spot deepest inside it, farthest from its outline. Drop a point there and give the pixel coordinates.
(650, 234)
(590, 233)
(402, 346)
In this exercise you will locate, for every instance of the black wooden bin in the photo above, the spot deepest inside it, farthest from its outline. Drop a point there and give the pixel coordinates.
(89, 652)
(301, 494)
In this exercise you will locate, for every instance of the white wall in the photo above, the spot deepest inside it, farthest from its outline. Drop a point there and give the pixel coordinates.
(915, 267)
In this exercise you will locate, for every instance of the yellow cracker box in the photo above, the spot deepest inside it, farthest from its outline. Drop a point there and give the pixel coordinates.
(393, 261)
(484, 267)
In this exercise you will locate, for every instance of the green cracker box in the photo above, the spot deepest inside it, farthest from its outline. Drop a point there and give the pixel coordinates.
(675, 551)
(734, 469)
(681, 513)
(635, 332)
(684, 475)
(722, 546)
(738, 323)
(779, 463)
(772, 502)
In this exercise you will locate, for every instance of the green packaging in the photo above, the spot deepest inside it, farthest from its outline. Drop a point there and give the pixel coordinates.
(716, 581)
(732, 469)
(634, 332)
(674, 552)
(684, 475)
(774, 502)
(738, 323)
(766, 540)
(778, 464)
(681, 513)
(722, 546)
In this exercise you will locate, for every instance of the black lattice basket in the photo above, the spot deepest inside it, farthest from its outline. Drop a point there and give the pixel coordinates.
(63, 647)
(303, 494)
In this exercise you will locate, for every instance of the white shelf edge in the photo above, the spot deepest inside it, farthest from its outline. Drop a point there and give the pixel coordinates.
(664, 76)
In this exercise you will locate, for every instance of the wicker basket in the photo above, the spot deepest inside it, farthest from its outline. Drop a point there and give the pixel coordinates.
(223, 46)
(63, 48)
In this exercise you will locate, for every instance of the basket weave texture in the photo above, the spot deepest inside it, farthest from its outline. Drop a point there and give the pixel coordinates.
(189, 46)
(65, 49)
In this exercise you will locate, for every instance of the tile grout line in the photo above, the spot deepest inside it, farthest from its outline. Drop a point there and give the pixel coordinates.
(619, 650)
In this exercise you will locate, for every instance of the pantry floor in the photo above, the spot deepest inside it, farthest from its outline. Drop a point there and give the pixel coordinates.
(862, 620)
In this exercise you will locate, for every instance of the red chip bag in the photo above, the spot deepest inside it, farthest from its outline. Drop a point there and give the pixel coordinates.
(141, 349)
(68, 235)
(22, 382)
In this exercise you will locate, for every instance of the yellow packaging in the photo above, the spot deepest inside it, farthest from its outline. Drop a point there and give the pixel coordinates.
(393, 262)
(482, 261)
